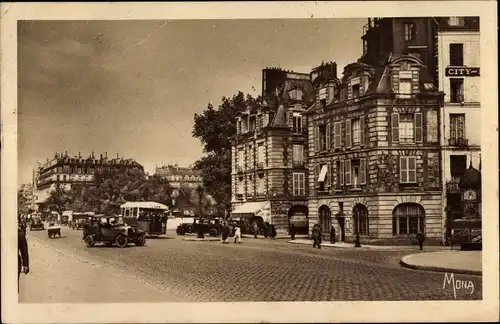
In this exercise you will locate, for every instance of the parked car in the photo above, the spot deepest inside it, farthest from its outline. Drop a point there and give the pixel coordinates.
(207, 226)
(65, 220)
(37, 224)
(105, 229)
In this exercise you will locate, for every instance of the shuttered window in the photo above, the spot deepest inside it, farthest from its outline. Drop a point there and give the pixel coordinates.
(348, 134)
(362, 130)
(395, 127)
(407, 169)
(337, 135)
(347, 166)
(418, 127)
(362, 171)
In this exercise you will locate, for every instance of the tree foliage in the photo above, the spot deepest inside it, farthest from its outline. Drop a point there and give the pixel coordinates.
(215, 128)
(109, 190)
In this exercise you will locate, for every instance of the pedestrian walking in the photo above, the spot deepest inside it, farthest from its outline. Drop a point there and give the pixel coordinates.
(316, 235)
(22, 255)
(292, 231)
(225, 233)
(237, 234)
(255, 229)
(420, 239)
(273, 232)
(332, 235)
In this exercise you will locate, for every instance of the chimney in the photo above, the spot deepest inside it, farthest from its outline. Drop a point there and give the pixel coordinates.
(92, 154)
(117, 155)
(106, 155)
(101, 156)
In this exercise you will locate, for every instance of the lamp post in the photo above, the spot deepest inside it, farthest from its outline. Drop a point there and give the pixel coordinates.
(199, 189)
(358, 243)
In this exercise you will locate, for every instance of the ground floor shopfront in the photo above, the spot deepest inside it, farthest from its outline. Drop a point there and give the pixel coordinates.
(280, 213)
(391, 217)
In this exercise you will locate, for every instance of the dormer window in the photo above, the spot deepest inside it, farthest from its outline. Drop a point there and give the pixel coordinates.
(322, 96)
(409, 31)
(296, 94)
(456, 22)
(405, 84)
(355, 91)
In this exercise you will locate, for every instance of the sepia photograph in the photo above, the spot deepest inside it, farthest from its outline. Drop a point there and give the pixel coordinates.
(266, 159)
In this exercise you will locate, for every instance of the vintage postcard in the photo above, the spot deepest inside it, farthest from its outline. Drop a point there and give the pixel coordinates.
(249, 162)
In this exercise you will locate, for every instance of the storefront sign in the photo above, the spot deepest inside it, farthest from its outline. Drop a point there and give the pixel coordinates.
(462, 71)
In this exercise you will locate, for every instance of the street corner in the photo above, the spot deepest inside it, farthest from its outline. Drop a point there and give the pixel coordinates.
(459, 262)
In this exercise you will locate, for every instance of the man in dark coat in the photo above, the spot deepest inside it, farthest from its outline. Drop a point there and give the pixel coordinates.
(316, 235)
(292, 231)
(273, 232)
(421, 239)
(332, 235)
(22, 255)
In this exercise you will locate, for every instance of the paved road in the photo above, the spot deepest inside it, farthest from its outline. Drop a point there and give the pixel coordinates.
(261, 270)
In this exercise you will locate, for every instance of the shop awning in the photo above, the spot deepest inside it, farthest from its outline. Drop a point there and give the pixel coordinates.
(322, 173)
(259, 209)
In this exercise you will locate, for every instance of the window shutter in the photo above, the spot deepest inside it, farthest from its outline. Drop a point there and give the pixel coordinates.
(412, 169)
(395, 127)
(362, 171)
(316, 138)
(329, 177)
(418, 127)
(347, 167)
(348, 133)
(327, 131)
(341, 173)
(316, 175)
(362, 130)
(338, 132)
(403, 168)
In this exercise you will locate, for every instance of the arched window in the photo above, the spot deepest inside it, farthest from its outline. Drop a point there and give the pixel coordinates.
(408, 218)
(360, 212)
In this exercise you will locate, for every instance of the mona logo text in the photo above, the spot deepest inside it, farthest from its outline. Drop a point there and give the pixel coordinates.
(457, 285)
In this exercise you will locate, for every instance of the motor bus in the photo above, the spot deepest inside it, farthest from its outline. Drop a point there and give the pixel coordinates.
(148, 216)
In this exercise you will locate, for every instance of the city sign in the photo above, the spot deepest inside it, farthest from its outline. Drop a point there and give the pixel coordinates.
(462, 71)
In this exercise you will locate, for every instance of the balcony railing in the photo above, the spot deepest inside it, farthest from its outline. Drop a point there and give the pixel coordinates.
(461, 142)
(298, 164)
(452, 187)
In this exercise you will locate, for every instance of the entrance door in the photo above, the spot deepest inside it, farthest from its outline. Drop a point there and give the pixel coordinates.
(325, 220)
(342, 228)
(156, 225)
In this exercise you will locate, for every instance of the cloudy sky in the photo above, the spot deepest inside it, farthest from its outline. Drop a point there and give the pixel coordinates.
(132, 87)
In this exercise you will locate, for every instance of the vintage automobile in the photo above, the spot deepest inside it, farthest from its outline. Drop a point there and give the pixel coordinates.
(65, 220)
(53, 230)
(79, 220)
(207, 226)
(37, 224)
(107, 230)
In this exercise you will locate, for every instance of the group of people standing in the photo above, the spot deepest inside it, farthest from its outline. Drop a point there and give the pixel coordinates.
(226, 232)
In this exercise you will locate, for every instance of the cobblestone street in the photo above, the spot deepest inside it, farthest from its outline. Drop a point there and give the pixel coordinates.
(257, 270)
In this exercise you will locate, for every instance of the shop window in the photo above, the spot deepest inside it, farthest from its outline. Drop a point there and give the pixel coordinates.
(408, 218)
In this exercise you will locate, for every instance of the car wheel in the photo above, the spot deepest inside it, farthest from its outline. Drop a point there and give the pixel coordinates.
(121, 240)
(141, 240)
(89, 241)
(213, 232)
(180, 231)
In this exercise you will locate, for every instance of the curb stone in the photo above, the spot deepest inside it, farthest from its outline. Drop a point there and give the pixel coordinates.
(405, 264)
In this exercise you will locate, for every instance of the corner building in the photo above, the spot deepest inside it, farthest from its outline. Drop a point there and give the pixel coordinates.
(458, 41)
(269, 172)
(374, 151)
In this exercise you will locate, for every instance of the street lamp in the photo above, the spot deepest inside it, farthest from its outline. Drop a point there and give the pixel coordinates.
(358, 243)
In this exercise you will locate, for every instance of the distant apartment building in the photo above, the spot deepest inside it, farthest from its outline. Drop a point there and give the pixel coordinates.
(27, 195)
(458, 43)
(374, 151)
(65, 170)
(178, 176)
(269, 168)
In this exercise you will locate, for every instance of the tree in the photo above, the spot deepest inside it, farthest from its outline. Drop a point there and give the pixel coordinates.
(215, 128)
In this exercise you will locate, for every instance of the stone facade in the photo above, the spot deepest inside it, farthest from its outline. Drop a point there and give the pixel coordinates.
(374, 147)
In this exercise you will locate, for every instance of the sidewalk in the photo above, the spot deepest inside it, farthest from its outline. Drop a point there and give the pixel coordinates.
(462, 262)
(342, 245)
(56, 277)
